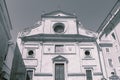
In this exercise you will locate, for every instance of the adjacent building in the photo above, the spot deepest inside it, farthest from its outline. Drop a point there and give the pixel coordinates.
(7, 47)
(109, 41)
(5, 39)
(58, 47)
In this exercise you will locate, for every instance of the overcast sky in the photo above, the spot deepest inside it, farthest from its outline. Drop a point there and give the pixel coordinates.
(25, 13)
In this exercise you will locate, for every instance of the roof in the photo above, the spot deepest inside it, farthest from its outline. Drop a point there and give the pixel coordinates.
(111, 24)
(112, 12)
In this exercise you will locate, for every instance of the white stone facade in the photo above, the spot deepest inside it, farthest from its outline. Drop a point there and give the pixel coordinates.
(59, 48)
(109, 41)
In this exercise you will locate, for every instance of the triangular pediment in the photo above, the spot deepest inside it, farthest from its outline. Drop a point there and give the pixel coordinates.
(59, 58)
(58, 13)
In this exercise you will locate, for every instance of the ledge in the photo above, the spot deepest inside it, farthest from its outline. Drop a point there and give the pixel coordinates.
(76, 74)
(88, 59)
(106, 44)
(59, 53)
(43, 74)
(98, 73)
(30, 62)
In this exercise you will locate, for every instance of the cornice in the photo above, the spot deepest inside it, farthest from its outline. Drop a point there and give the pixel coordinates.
(59, 38)
(43, 16)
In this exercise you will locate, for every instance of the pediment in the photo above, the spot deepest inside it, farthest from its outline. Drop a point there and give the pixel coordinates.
(59, 59)
(58, 13)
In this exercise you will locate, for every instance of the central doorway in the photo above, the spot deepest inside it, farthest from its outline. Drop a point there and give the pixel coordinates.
(59, 71)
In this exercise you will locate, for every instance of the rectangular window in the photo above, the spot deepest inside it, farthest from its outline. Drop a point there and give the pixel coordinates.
(59, 48)
(29, 75)
(107, 50)
(89, 74)
(59, 72)
(110, 62)
(119, 59)
(113, 35)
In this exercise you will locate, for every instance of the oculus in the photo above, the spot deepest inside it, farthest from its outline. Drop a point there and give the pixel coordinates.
(58, 28)
(30, 54)
(87, 53)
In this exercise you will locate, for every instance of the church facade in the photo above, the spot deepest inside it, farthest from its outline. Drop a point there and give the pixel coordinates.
(59, 48)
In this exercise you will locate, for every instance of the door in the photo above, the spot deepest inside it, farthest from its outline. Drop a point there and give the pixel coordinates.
(89, 74)
(59, 72)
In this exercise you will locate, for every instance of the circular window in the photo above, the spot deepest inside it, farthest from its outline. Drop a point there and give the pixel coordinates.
(30, 52)
(59, 27)
(87, 53)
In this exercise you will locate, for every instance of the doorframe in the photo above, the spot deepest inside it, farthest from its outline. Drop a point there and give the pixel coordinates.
(65, 69)
(32, 69)
(91, 73)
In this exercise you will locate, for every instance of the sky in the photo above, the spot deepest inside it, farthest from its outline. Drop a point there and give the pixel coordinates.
(25, 13)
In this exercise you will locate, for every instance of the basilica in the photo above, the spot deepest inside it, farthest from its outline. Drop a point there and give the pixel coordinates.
(58, 47)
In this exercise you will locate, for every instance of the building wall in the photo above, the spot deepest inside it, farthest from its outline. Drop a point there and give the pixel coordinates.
(4, 30)
(109, 41)
(80, 51)
(7, 46)
(8, 61)
(77, 63)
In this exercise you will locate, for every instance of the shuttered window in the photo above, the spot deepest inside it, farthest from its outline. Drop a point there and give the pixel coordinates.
(59, 48)
(110, 62)
(59, 72)
(89, 74)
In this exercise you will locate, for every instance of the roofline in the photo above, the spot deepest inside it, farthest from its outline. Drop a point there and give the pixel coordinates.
(45, 15)
(108, 26)
(107, 18)
(58, 16)
(8, 14)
